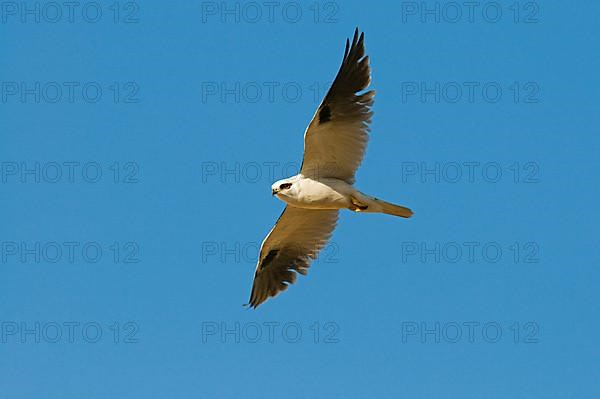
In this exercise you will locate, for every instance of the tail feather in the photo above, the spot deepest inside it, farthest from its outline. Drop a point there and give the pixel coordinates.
(396, 210)
(361, 202)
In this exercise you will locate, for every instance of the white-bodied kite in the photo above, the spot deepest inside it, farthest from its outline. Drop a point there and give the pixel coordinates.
(334, 146)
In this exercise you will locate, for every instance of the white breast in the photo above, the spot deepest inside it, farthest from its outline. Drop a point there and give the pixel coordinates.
(323, 194)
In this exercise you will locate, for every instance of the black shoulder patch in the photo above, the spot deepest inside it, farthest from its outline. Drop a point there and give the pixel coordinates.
(269, 258)
(324, 114)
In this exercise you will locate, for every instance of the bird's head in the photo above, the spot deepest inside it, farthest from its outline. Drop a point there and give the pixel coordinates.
(283, 187)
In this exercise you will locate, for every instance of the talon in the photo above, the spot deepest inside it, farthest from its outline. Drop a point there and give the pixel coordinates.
(357, 206)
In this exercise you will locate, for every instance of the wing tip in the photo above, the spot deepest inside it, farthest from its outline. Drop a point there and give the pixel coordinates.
(355, 37)
(356, 46)
(253, 302)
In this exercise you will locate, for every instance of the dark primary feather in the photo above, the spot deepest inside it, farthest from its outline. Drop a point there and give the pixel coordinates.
(353, 76)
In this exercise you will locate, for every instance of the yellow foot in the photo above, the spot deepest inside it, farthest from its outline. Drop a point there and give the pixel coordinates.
(357, 206)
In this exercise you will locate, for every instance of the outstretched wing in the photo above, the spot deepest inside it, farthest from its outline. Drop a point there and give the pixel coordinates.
(336, 138)
(292, 244)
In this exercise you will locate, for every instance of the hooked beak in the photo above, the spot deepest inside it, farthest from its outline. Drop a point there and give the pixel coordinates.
(273, 192)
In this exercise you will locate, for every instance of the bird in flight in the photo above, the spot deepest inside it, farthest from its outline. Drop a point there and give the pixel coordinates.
(334, 145)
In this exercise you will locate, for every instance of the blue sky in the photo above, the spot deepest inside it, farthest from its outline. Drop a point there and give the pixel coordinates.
(138, 145)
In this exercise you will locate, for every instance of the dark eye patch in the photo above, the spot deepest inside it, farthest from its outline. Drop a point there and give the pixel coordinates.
(285, 186)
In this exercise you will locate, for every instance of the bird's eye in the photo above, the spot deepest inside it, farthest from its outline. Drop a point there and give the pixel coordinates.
(285, 186)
